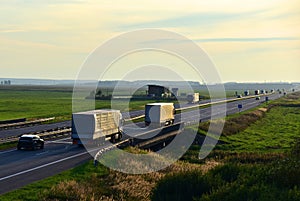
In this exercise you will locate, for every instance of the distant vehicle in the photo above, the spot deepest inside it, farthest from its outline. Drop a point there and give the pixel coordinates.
(257, 98)
(94, 127)
(30, 142)
(193, 98)
(159, 114)
(256, 92)
(262, 91)
(247, 93)
(239, 96)
(267, 98)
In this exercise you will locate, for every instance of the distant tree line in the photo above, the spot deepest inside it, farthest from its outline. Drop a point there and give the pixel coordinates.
(6, 82)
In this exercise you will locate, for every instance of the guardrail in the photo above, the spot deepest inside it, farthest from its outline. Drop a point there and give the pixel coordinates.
(49, 134)
(25, 123)
(204, 104)
(221, 101)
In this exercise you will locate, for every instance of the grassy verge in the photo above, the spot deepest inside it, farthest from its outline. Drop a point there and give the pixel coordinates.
(271, 128)
(8, 145)
(278, 180)
(275, 132)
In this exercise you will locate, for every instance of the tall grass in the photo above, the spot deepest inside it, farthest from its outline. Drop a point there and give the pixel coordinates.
(277, 180)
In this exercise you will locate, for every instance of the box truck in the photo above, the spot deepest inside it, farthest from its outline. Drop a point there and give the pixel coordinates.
(193, 98)
(94, 126)
(159, 114)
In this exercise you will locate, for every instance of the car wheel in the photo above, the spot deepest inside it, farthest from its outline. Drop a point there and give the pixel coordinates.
(42, 146)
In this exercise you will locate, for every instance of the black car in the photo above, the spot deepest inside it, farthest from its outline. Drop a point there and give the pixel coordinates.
(30, 142)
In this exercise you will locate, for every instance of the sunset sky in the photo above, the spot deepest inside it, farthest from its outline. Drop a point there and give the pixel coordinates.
(249, 40)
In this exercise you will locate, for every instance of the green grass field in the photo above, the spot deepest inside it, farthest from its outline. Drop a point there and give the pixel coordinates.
(20, 103)
(34, 104)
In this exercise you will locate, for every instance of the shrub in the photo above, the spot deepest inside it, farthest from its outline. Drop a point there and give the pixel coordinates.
(233, 182)
(182, 186)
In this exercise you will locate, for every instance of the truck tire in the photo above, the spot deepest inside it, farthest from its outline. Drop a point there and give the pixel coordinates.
(113, 139)
(120, 136)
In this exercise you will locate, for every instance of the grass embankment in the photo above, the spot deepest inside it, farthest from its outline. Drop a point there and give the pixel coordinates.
(271, 128)
(237, 169)
(278, 180)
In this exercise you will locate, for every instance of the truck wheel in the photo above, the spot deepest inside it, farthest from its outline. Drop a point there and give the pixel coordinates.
(119, 136)
(113, 139)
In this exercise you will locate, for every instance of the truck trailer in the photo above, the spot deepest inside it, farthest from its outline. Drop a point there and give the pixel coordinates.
(92, 127)
(159, 114)
(193, 98)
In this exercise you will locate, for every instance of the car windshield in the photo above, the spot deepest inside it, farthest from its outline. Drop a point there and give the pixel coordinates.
(26, 139)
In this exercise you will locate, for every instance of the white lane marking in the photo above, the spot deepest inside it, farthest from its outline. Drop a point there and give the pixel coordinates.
(60, 139)
(4, 152)
(45, 165)
(57, 142)
(42, 153)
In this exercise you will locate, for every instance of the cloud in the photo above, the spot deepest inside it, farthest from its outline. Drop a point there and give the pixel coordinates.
(247, 39)
(11, 30)
(193, 20)
(41, 2)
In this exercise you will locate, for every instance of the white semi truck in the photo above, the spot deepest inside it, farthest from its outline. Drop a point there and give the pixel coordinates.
(91, 127)
(159, 114)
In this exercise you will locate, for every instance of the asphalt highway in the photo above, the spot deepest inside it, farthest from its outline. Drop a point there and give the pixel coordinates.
(19, 168)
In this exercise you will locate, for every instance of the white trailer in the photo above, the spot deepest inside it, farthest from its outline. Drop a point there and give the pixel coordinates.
(96, 125)
(193, 98)
(159, 114)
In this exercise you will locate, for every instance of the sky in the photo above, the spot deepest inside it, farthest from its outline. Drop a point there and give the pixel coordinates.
(248, 41)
